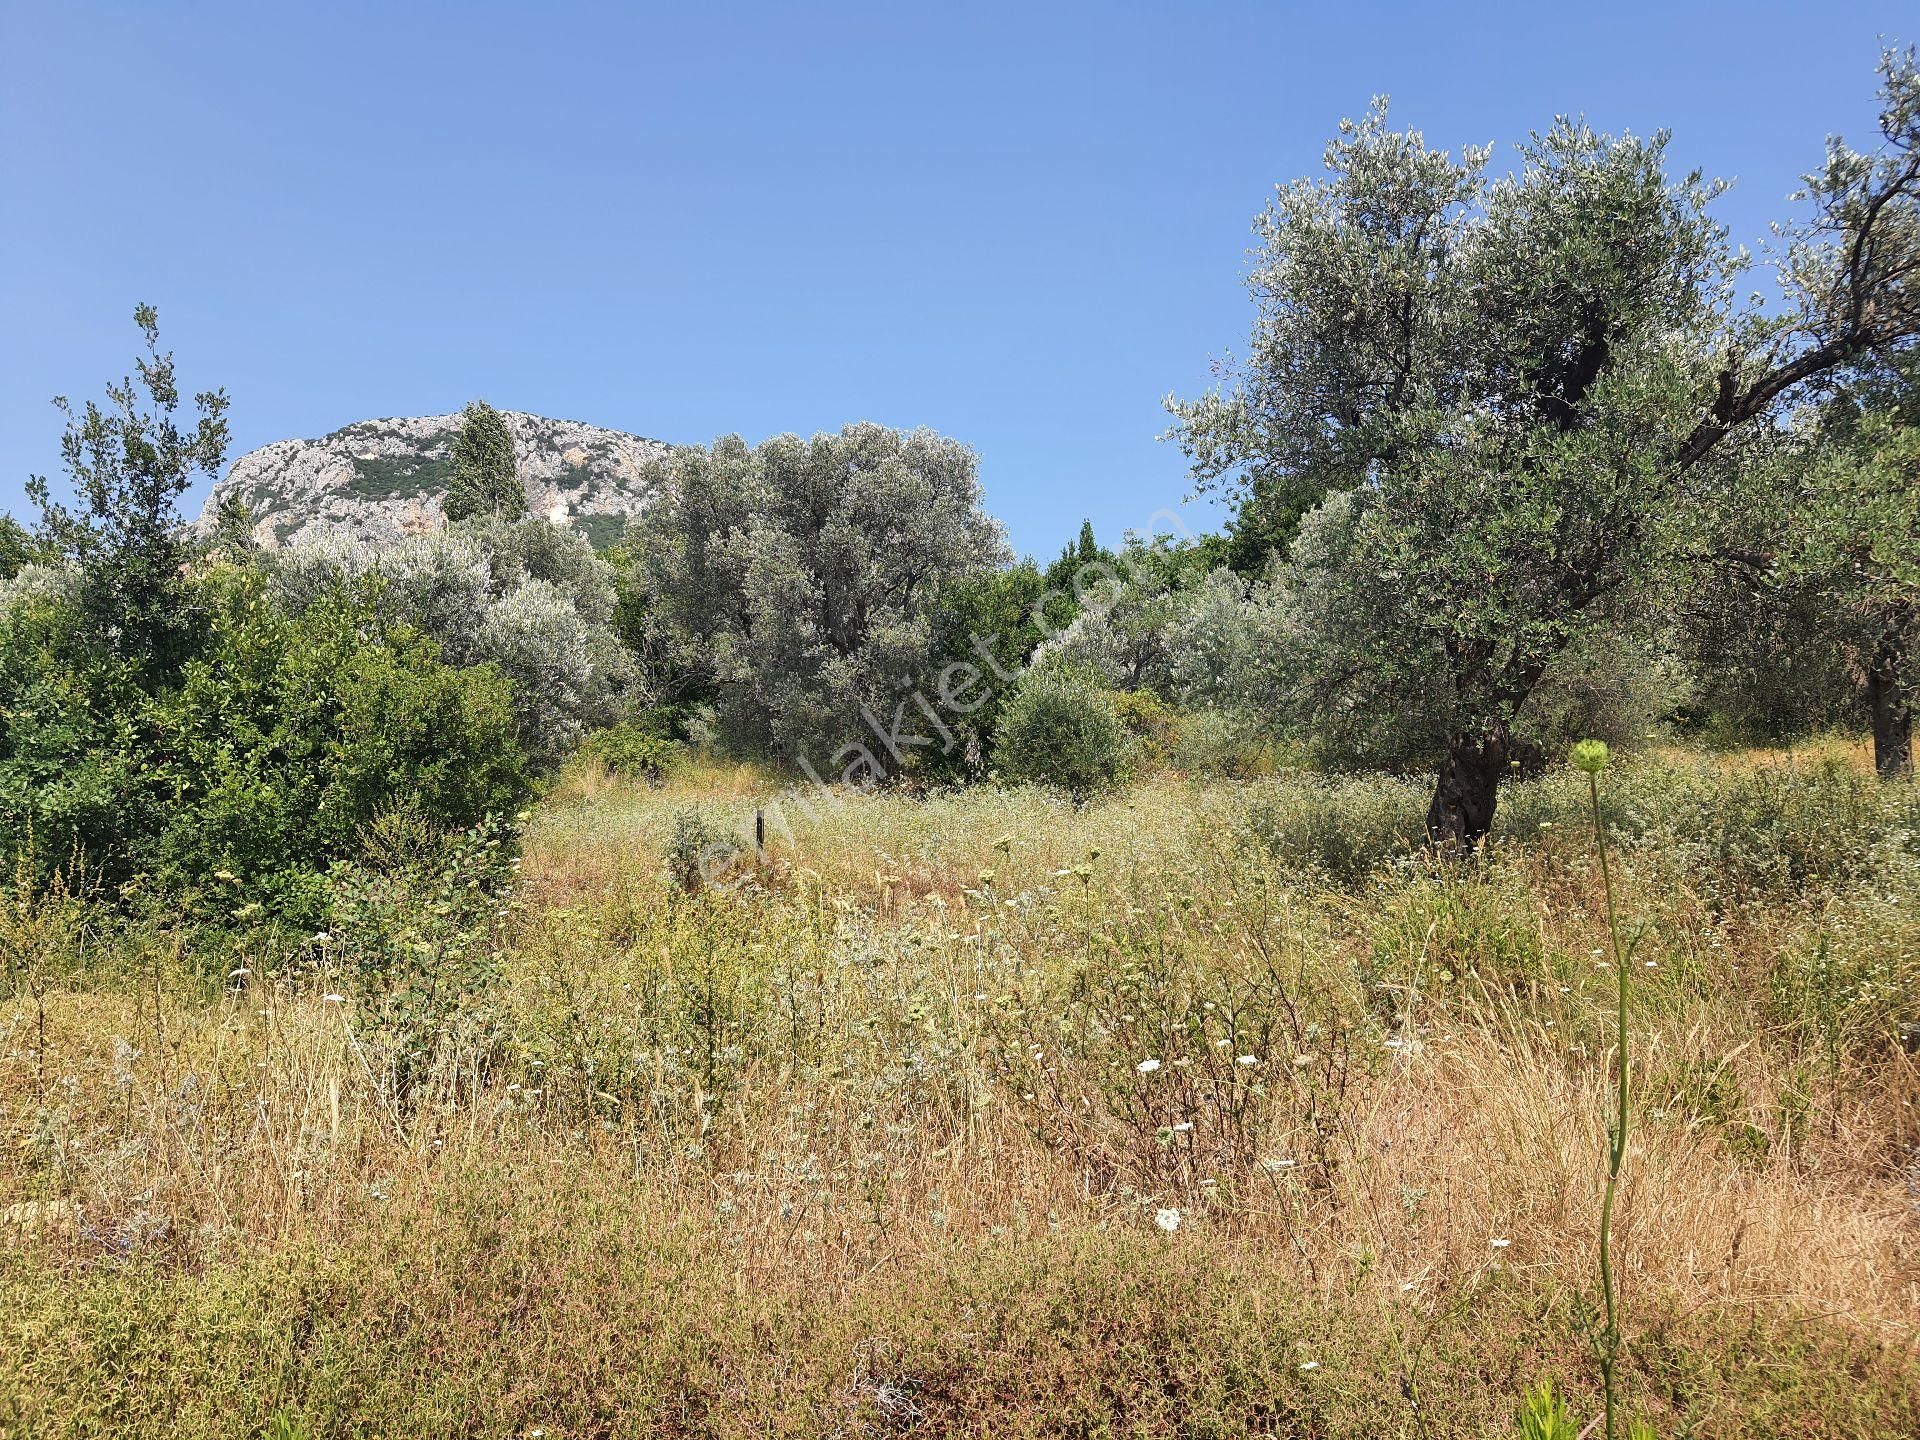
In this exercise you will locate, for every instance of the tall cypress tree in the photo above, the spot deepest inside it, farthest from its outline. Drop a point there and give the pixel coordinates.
(486, 480)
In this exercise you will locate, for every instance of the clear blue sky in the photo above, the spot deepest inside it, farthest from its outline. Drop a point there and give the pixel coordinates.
(1021, 226)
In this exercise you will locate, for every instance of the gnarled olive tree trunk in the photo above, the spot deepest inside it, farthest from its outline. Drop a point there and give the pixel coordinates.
(1891, 702)
(1468, 787)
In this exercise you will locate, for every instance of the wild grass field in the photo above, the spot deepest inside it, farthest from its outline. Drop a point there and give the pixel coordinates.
(1208, 1109)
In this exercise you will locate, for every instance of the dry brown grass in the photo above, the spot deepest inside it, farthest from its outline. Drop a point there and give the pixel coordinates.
(814, 1081)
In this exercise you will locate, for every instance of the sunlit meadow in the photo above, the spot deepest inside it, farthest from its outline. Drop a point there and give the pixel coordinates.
(1205, 1109)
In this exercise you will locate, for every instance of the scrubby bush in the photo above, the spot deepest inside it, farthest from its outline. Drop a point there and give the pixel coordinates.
(640, 749)
(699, 850)
(1229, 742)
(236, 786)
(1062, 727)
(410, 935)
(1849, 989)
(527, 597)
(1769, 830)
(39, 582)
(1152, 724)
(1340, 827)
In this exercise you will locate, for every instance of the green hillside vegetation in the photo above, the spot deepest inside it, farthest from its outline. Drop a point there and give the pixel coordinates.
(379, 477)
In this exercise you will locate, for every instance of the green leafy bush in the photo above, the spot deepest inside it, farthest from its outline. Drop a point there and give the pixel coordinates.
(1062, 727)
(291, 734)
(1226, 741)
(699, 850)
(639, 749)
(1151, 722)
(527, 597)
(234, 788)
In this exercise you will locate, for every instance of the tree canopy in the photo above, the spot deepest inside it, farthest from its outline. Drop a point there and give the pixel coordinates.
(486, 476)
(798, 582)
(128, 463)
(1511, 386)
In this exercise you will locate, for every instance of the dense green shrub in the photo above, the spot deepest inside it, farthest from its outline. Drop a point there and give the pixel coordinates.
(1226, 741)
(365, 722)
(78, 748)
(640, 749)
(989, 625)
(526, 596)
(1152, 724)
(236, 786)
(185, 737)
(1062, 727)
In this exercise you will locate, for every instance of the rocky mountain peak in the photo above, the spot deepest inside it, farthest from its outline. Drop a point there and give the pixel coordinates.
(380, 480)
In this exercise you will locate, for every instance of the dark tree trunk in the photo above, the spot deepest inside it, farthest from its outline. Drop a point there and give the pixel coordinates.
(1468, 787)
(1892, 706)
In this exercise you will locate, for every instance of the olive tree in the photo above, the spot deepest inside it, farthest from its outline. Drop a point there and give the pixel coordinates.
(798, 582)
(1126, 630)
(1511, 385)
(1854, 536)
